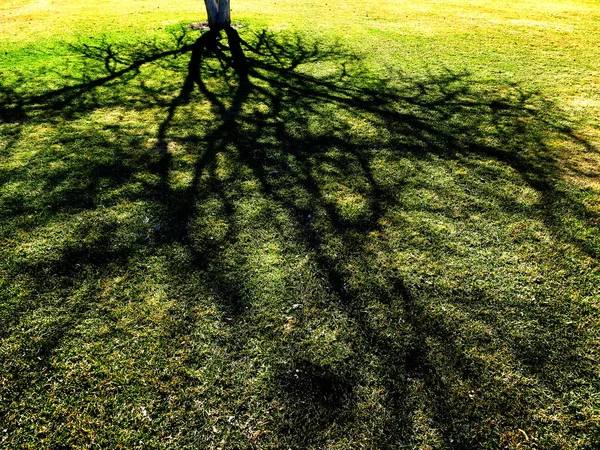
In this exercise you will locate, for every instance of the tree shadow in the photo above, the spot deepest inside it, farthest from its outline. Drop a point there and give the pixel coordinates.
(300, 153)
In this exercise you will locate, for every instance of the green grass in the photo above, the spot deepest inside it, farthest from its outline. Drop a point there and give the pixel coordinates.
(386, 237)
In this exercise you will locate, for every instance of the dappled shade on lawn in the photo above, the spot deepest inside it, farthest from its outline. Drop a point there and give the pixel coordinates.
(316, 253)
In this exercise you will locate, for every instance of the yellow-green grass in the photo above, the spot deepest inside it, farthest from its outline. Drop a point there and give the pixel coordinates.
(387, 236)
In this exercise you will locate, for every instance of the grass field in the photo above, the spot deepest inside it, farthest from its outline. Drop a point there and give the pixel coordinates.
(386, 237)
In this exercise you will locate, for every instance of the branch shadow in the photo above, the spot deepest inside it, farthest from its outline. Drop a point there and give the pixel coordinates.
(306, 153)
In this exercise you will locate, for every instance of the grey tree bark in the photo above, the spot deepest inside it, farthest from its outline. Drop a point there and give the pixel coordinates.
(219, 13)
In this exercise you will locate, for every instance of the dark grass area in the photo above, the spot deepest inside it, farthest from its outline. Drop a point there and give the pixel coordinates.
(304, 255)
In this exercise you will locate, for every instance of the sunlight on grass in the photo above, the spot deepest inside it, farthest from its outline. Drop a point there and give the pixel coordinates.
(384, 235)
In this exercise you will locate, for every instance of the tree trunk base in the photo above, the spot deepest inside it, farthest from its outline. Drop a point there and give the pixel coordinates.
(203, 26)
(208, 42)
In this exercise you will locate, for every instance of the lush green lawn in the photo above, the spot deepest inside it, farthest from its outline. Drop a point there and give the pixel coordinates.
(386, 237)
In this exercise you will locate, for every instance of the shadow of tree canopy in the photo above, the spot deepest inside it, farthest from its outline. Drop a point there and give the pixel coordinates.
(364, 239)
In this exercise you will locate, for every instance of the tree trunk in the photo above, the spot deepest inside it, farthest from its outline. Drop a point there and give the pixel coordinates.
(224, 14)
(212, 10)
(218, 12)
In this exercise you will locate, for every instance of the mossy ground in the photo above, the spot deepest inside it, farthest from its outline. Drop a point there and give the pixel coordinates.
(387, 236)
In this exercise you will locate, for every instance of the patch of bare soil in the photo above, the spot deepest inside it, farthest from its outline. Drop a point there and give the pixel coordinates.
(203, 26)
